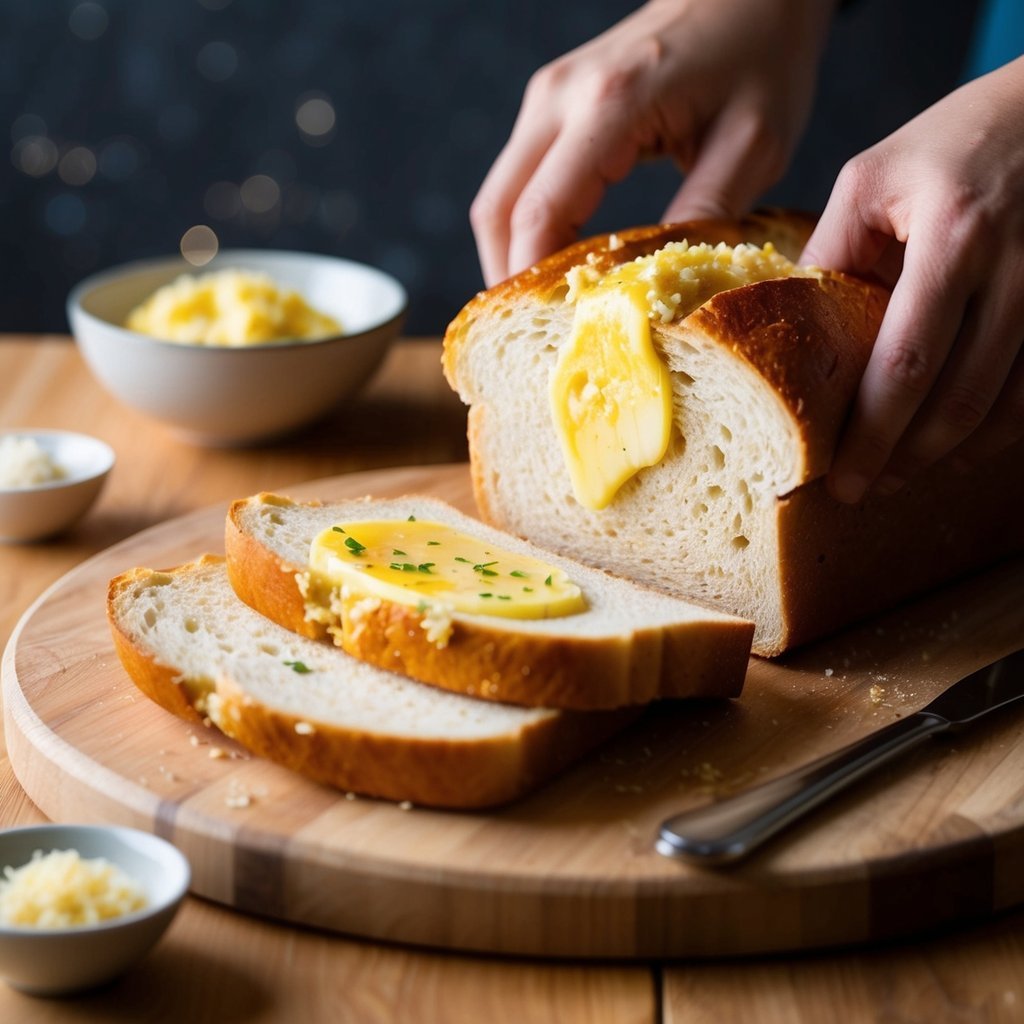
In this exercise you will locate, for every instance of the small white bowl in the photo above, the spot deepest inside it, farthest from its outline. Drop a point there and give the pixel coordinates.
(52, 961)
(218, 395)
(40, 510)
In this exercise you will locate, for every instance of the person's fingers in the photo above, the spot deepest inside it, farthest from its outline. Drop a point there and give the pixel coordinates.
(1004, 424)
(975, 374)
(567, 187)
(916, 336)
(491, 211)
(852, 234)
(736, 161)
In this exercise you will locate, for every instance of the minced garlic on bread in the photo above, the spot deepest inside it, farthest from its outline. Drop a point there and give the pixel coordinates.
(731, 511)
(628, 645)
(194, 648)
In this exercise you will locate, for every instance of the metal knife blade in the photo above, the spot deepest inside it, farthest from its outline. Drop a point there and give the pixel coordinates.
(728, 830)
(988, 689)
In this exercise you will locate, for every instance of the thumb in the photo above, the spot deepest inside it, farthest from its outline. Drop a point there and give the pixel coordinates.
(843, 240)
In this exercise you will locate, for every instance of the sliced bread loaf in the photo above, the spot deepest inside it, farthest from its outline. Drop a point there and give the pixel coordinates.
(629, 646)
(734, 514)
(194, 648)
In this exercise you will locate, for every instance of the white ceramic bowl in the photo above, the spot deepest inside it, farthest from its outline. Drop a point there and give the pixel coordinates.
(238, 395)
(31, 513)
(58, 961)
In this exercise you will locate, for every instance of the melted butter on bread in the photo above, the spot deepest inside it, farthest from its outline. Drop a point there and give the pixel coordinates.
(610, 394)
(440, 570)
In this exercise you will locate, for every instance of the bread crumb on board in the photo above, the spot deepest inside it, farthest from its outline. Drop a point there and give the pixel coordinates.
(240, 796)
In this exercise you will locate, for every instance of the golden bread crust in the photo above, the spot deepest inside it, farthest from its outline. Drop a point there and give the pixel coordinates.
(495, 661)
(161, 683)
(842, 563)
(809, 340)
(787, 230)
(261, 579)
(462, 774)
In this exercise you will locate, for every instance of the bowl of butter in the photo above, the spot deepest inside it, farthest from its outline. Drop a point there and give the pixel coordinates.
(251, 346)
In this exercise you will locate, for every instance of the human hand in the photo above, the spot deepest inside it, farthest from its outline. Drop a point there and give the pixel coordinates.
(723, 87)
(941, 201)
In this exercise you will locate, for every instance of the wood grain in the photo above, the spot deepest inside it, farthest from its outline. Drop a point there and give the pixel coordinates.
(227, 968)
(569, 871)
(216, 965)
(973, 977)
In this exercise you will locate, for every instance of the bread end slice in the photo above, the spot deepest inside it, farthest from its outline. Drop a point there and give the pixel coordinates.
(191, 646)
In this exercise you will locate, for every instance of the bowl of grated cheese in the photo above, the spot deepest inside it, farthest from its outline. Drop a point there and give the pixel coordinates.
(49, 479)
(80, 904)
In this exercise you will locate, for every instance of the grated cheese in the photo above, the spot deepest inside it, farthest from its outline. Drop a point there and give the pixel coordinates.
(25, 463)
(61, 890)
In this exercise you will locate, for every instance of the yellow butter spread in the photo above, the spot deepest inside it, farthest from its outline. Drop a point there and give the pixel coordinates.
(230, 308)
(609, 392)
(429, 565)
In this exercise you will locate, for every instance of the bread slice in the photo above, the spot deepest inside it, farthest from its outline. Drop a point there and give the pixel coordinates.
(189, 644)
(631, 646)
(735, 515)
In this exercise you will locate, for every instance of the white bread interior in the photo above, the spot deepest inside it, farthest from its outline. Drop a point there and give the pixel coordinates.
(631, 645)
(736, 515)
(191, 645)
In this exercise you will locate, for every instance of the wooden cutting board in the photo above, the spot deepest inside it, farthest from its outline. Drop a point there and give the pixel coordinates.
(570, 871)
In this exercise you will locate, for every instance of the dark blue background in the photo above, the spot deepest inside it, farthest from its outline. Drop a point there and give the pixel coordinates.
(129, 122)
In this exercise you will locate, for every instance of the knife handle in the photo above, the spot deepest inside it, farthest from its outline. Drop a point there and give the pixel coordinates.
(727, 830)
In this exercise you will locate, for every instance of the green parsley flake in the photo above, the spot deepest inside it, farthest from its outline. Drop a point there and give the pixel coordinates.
(425, 566)
(298, 666)
(433, 543)
(547, 582)
(337, 529)
(354, 546)
(519, 575)
(397, 551)
(411, 519)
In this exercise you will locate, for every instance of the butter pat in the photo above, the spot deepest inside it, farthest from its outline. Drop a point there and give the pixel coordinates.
(436, 569)
(610, 394)
(231, 308)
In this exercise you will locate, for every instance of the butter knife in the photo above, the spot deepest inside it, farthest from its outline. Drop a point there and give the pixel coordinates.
(727, 830)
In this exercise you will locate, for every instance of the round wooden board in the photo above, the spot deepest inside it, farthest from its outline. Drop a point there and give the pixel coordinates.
(570, 871)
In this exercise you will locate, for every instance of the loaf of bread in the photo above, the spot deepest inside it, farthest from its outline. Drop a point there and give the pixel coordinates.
(733, 512)
(194, 648)
(627, 645)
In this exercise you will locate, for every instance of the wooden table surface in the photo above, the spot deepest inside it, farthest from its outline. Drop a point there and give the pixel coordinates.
(217, 965)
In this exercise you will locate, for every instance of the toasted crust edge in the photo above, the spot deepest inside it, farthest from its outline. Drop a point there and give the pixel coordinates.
(690, 659)
(431, 772)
